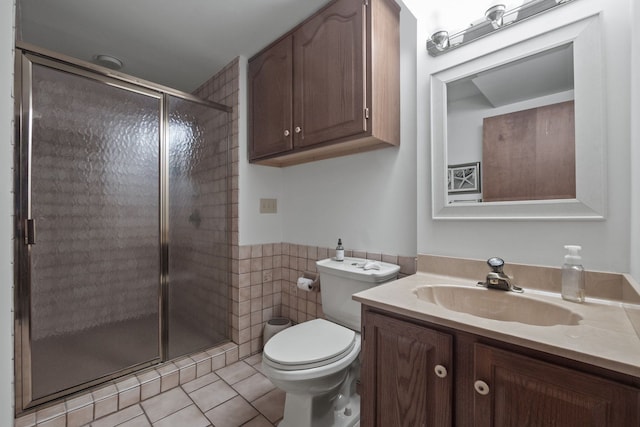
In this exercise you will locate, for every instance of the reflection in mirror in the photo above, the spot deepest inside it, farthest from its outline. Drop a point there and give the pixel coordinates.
(522, 128)
(517, 121)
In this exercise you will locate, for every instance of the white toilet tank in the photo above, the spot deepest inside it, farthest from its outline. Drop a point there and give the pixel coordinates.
(339, 280)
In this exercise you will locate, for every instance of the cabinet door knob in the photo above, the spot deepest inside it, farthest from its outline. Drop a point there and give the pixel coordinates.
(440, 371)
(286, 132)
(298, 129)
(481, 387)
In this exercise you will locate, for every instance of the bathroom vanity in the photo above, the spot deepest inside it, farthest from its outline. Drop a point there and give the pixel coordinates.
(428, 361)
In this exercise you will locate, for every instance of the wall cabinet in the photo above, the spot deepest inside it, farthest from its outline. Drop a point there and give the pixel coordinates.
(483, 384)
(329, 87)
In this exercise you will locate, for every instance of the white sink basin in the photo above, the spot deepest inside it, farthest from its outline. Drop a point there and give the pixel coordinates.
(497, 305)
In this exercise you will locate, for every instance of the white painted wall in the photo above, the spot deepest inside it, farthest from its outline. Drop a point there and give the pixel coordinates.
(367, 199)
(255, 182)
(635, 143)
(6, 211)
(606, 243)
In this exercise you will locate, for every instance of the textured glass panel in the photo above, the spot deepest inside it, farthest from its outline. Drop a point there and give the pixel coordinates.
(95, 199)
(198, 227)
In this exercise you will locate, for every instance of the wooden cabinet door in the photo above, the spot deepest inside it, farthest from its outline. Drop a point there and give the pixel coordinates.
(400, 385)
(530, 154)
(525, 392)
(270, 80)
(329, 83)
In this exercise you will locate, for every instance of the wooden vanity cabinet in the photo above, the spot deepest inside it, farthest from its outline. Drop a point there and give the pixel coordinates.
(488, 383)
(522, 391)
(329, 87)
(405, 374)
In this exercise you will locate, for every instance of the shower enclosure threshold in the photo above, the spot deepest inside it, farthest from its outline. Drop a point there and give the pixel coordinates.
(92, 404)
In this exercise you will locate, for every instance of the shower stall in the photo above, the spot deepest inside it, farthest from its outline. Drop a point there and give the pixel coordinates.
(122, 225)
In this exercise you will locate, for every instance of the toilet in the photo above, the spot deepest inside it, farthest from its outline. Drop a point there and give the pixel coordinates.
(316, 362)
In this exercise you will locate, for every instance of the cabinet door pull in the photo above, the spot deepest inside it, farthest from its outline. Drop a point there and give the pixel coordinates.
(286, 132)
(298, 129)
(481, 387)
(440, 371)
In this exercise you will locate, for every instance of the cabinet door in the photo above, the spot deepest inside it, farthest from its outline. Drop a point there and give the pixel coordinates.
(400, 383)
(329, 95)
(270, 101)
(521, 391)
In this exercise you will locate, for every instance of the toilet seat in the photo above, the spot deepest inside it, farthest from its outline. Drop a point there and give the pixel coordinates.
(309, 345)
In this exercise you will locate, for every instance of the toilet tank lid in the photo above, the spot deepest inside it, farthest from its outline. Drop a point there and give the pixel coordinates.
(351, 268)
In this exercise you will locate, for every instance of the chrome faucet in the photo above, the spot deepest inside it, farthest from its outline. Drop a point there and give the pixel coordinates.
(497, 279)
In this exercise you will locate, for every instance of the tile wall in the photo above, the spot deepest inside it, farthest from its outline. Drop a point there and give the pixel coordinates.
(265, 285)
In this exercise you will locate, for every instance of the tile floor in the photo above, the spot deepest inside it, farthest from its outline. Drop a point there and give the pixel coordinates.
(236, 395)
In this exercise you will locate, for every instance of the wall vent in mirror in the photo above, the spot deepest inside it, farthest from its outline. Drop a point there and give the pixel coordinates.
(495, 19)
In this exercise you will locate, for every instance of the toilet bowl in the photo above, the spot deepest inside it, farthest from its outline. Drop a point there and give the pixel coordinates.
(316, 362)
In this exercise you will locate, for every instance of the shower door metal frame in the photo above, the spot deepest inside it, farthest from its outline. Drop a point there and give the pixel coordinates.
(25, 55)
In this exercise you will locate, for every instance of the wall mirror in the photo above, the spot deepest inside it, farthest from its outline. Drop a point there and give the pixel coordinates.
(519, 133)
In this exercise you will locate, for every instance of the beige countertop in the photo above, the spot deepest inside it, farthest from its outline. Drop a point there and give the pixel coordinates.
(604, 337)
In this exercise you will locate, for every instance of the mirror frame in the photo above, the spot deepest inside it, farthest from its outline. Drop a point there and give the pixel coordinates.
(590, 201)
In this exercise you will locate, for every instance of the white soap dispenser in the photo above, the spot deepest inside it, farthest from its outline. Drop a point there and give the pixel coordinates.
(573, 275)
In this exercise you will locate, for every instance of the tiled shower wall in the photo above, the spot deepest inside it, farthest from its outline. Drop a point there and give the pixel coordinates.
(264, 277)
(224, 88)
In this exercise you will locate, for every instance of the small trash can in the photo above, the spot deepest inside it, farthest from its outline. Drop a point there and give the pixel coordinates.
(273, 326)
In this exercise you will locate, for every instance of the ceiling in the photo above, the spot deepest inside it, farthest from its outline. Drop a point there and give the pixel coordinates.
(532, 77)
(177, 43)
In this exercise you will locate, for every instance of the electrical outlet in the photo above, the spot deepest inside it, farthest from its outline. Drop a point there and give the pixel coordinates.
(268, 206)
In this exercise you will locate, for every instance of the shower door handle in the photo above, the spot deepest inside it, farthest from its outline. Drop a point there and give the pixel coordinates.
(30, 232)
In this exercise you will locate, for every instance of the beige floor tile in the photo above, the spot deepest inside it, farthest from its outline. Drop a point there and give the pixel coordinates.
(119, 417)
(192, 386)
(256, 359)
(255, 386)
(212, 395)
(232, 413)
(166, 404)
(139, 421)
(189, 416)
(259, 421)
(271, 405)
(258, 367)
(236, 372)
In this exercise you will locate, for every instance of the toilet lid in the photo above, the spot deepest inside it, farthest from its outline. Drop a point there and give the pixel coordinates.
(310, 344)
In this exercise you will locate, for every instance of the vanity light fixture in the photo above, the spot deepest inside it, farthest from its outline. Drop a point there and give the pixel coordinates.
(494, 15)
(441, 39)
(496, 19)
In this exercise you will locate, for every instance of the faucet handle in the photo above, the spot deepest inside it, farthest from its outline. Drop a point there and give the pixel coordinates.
(496, 264)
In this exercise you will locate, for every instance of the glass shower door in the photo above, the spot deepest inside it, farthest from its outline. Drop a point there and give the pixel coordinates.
(198, 241)
(94, 178)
